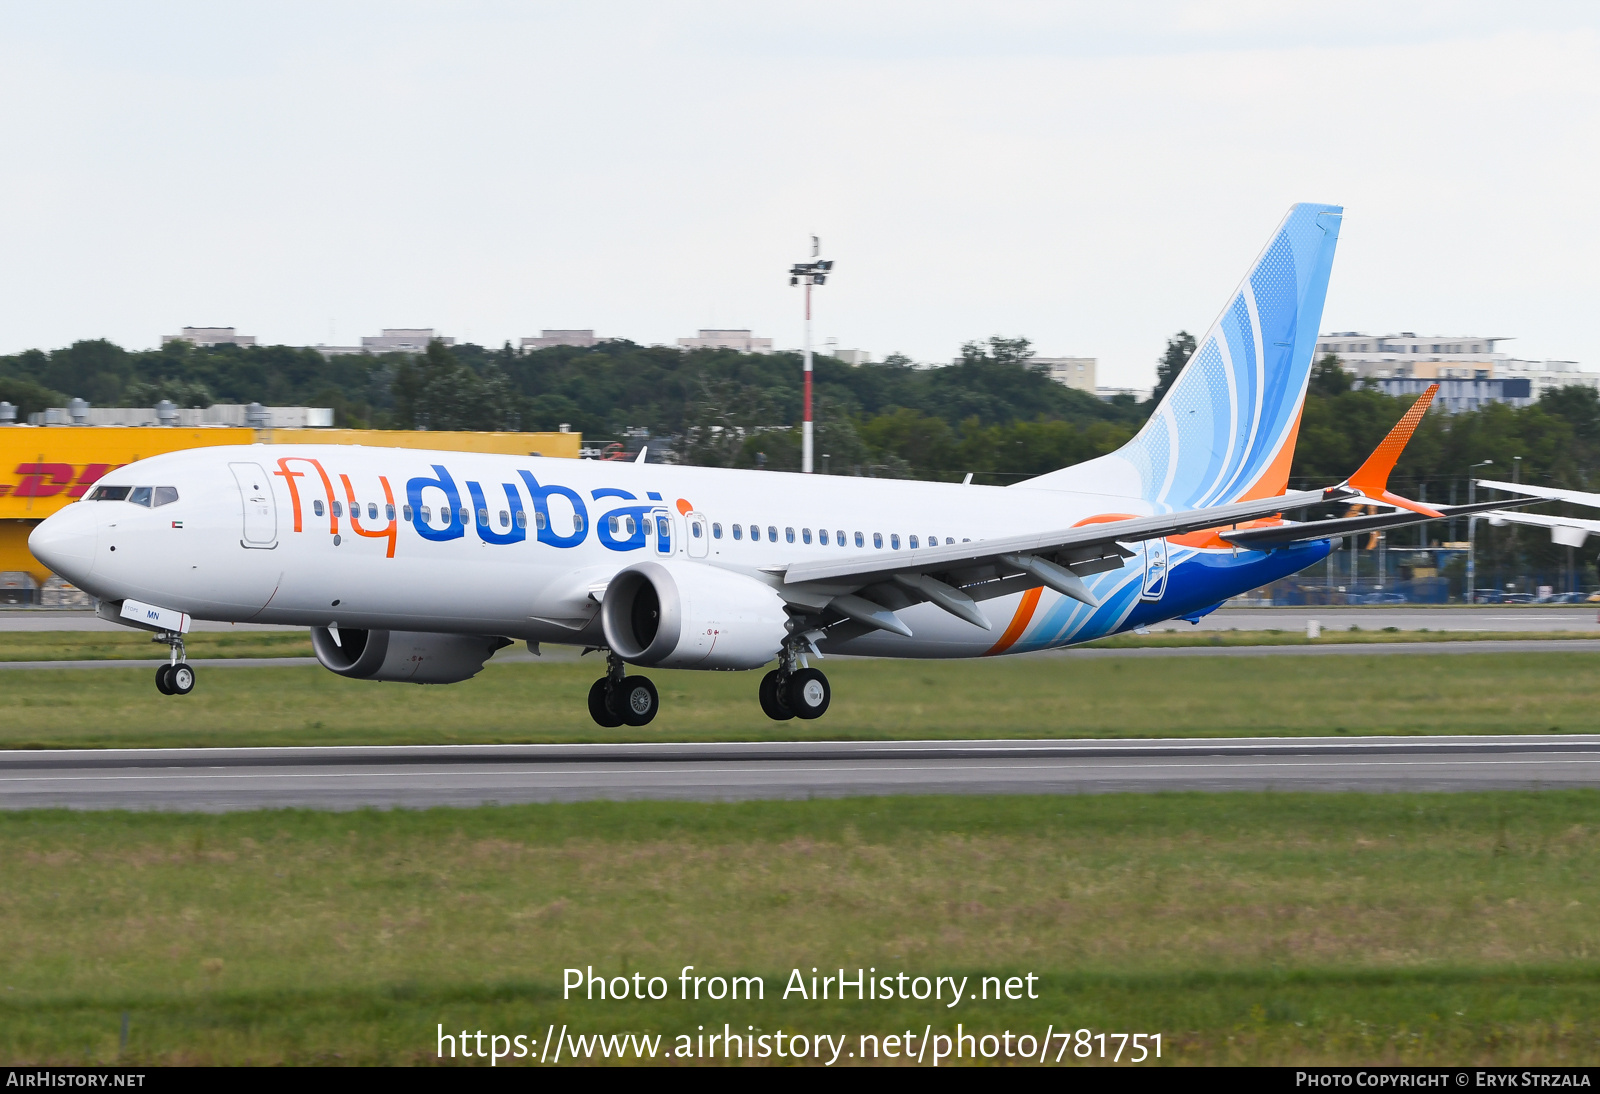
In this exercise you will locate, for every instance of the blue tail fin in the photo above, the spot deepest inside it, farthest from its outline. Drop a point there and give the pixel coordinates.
(1226, 429)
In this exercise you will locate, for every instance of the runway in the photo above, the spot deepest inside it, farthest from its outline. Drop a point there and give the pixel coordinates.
(228, 779)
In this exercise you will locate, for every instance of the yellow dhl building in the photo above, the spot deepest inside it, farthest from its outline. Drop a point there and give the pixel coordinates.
(45, 468)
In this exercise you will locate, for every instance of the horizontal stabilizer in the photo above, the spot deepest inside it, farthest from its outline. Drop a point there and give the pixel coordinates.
(1282, 535)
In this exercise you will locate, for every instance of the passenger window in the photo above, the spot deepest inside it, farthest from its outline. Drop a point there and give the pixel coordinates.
(738, 532)
(338, 508)
(695, 529)
(627, 525)
(964, 539)
(405, 511)
(755, 533)
(577, 523)
(772, 533)
(110, 493)
(522, 519)
(860, 541)
(716, 530)
(372, 510)
(913, 542)
(165, 495)
(505, 519)
(539, 521)
(877, 540)
(894, 541)
(466, 515)
(822, 536)
(948, 539)
(840, 537)
(788, 535)
(612, 525)
(483, 518)
(427, 513)
(805, 535)
(140, 496)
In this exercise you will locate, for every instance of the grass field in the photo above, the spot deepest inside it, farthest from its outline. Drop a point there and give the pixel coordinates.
(1396, 928)
(873, 700)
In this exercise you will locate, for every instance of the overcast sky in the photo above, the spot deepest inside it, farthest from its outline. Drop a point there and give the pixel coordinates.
(1091, 176)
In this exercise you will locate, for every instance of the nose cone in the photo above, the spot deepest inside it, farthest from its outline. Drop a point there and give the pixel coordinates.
(65, 542)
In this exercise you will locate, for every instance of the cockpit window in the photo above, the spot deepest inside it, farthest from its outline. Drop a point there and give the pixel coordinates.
(110, 493)
(140, 496)
(164, 495)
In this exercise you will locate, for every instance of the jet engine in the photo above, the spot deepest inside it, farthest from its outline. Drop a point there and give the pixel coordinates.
(415, 657)
(685, 615)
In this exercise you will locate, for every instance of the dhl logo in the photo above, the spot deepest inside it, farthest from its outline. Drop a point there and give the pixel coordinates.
(50, 480)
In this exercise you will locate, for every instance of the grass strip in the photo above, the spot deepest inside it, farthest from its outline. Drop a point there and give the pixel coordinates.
(1246, 928)
(872, 700)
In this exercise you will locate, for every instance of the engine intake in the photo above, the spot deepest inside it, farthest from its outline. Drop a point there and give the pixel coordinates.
(683, 615)
(416, 657)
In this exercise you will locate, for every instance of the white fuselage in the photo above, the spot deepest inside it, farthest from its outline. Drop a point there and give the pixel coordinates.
(375, 538)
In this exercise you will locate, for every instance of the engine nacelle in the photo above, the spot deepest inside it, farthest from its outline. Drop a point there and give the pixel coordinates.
(415, 657)
(686, 615)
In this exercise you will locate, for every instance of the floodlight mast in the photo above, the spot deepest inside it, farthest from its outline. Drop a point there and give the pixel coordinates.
(810, 273)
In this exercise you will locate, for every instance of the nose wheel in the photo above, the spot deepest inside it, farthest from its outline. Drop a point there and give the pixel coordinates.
(177, 676)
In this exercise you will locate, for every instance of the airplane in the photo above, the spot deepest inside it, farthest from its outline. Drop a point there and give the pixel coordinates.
(1566, 531)
(417, 566)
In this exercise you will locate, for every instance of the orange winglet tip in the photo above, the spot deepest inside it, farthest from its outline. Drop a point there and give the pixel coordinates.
(1372, 478)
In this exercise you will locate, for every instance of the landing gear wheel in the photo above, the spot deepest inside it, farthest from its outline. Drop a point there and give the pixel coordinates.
(181, 679)
(808, 693)
(162, 671)
(774, 704)
(598, 710)
(638, 700)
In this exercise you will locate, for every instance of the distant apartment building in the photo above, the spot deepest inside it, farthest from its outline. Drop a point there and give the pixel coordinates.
(403, 340)
(1470, 369)
(583, 339)
(740, 340)
(206, 337)
(1077, 373)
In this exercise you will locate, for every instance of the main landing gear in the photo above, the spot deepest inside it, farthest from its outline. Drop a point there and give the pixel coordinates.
(177, 676)
(617, 699)
(794, 689)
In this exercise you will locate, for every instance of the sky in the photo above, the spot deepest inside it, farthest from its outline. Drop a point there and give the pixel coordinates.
(1091, 176)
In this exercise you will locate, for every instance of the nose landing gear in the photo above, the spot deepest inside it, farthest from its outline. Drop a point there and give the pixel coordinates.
(177, 676)
(617, 699)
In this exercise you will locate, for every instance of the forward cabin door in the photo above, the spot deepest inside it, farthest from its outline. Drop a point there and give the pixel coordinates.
(698, 536)
(661, 532)
(260, 509)
(1155, 570)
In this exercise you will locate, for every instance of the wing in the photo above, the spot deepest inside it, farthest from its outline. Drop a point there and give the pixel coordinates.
(1284, 534)
(1576, 497)
(957, 576)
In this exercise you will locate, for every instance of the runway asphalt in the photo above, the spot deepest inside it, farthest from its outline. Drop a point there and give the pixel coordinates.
(228, 779)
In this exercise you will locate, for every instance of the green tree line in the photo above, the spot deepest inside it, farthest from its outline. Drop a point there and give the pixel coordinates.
(991, 412)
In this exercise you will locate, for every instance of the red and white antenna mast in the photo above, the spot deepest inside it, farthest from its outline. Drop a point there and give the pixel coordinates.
(810, 273)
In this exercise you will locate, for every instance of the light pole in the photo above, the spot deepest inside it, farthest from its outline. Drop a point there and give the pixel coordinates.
(1472, 539)
(810, 273)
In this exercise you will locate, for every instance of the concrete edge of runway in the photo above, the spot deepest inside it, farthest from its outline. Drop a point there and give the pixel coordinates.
(1487, 646)
(735, 751)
